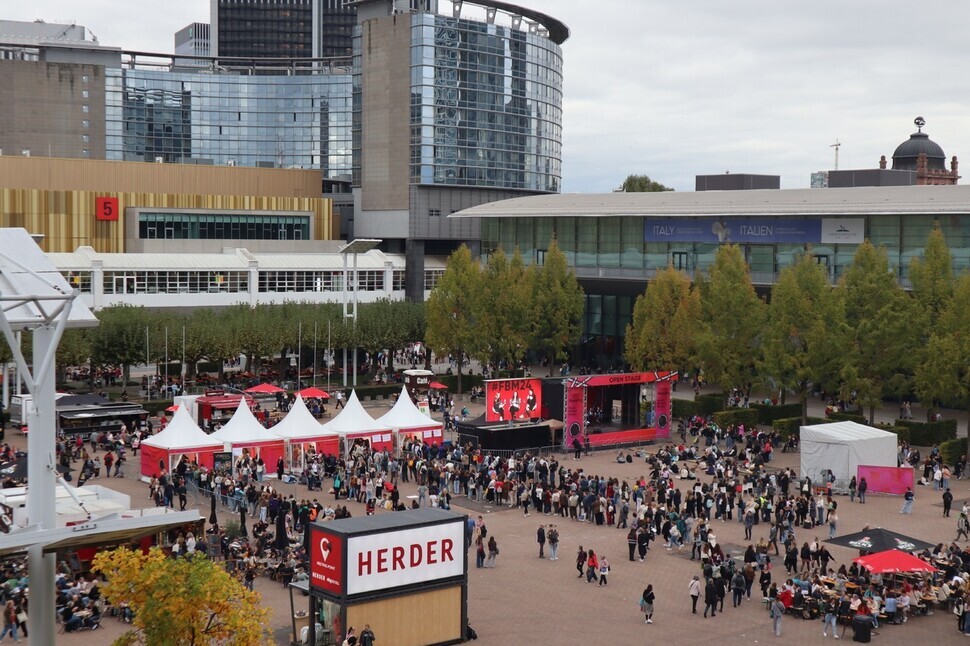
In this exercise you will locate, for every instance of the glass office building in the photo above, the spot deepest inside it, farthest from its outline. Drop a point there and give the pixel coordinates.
(486, 105)
(181, 115)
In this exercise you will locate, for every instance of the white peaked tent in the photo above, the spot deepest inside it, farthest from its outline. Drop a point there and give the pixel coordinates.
(354, 423)
(842, 447)
(243, 432)
(182, 436)
(300, 431)
(404, 418)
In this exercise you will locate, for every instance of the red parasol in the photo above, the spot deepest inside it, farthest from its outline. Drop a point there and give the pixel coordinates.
(264, 389)
(172, 408)
(314, 392)
(893, 561)
(437, 385)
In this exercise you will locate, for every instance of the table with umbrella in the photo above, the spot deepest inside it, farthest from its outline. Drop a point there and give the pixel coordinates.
(880, 540)
(313, 393)
(264, 389)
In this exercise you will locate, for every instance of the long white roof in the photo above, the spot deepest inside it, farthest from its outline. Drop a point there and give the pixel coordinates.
(354, 419)
(299, 424)
(182, 433)
(867, 200)
(405, 415)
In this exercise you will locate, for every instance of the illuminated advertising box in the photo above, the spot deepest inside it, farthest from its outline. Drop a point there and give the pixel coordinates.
(516, 400)
(400, 551)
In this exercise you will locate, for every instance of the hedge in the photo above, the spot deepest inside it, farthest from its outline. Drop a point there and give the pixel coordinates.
(902, 433)
(929, 433)
(711, 403)
(768, 413)
(736, 416)
(952, 450)
(686, 408)
(791, 425)
(156, 405)
(848, 417)
(467, 382)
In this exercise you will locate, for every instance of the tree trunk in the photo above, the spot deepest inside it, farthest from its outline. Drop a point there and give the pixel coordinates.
(460, 355)
(804, 399)
(872, 414)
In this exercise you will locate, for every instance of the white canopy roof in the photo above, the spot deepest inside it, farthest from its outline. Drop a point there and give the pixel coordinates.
(299, 424)
(354, 419)
(182, 433)
(243, 428)
(404, 415)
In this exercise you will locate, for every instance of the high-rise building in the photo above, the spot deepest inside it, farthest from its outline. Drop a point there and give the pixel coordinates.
(192, 40)
(282, 28)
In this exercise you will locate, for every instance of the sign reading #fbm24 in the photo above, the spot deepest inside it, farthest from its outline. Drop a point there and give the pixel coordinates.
(727, 230)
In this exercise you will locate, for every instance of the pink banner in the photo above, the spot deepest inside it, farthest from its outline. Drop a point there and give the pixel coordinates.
(619, 379)
(892, 480)
(575, 417)
(662, 409)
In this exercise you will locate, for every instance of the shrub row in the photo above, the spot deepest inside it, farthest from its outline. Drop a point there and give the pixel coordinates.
(791, 425)
(952, 450)
(848, 417)
(768, 413)
(929, 433)
(902, 433)
(711, 403)
(685, 408)
(736, 417)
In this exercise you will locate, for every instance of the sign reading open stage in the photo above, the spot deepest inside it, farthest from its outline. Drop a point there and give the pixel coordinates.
(512, 399)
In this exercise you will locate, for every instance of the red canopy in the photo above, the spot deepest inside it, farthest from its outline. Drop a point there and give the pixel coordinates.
(314, 392)
(172, 408)
(268, 389)
(437, 385)
(893, 561)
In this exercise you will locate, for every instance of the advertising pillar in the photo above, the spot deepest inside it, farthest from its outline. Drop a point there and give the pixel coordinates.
(662, 409)
(575, 415)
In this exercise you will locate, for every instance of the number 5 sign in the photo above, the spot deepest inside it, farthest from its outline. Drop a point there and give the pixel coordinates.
(106, 208)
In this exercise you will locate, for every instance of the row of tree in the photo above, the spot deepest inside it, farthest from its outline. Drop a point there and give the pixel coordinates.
(865, 338)
(498, 312)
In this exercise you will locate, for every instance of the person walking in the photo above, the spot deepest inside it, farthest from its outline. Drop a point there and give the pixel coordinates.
(963, 527)
(553, 537)
(646, 603)
(863, 487)
(10, 621)
(947, 502)
(831, 618)
(776, 611)
(581, 556)
(908, 497)
(852, 489)
(541, 540)
(592, 565)
(492, 552)
(367, 637)
(710, 598)
(694, 589)
(737, 588)
(631, 540)
(604, 571)
(833, 522)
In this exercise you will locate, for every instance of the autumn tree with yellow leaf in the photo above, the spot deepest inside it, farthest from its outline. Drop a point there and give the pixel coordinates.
(184, 601)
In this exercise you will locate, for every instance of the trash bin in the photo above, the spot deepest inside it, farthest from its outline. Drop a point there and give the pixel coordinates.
(862, 627)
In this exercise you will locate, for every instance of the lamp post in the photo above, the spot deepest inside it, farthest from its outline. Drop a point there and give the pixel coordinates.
(354, 248)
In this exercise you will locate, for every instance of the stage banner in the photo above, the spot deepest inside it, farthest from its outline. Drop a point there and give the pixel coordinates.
(661, 409)
(892, 480)
(622, 378)
(512, 399)
(575, 407)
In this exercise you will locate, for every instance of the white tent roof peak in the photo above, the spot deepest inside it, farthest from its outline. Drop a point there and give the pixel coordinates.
(182, 433)
(404, 414)
(845, 432)
(299, 423)
(354, 419)
(243, 427)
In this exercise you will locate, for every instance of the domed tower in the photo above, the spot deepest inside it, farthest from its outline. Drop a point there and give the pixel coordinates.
(921, 154)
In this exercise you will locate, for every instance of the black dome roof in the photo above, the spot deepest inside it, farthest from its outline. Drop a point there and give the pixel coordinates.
(919, 142)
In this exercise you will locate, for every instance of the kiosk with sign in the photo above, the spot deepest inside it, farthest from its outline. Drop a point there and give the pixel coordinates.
(386, 570)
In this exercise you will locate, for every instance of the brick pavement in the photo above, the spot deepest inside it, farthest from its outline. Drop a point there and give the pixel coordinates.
(528, 600)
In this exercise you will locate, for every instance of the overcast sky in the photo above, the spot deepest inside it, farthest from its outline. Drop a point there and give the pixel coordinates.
(676, 89)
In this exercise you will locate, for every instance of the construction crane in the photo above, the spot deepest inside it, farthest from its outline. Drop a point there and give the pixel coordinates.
(836, 145)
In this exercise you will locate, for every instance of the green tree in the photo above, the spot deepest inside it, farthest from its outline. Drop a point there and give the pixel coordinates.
(184, 601)
(732, 321)
(881, 335)
(502, 310)
(450, 317)
(558, 303)
(932, 276)
(73, 350)
(666, 318)
(944, 374)
(119, 340)
(642, 184)
(803, 337)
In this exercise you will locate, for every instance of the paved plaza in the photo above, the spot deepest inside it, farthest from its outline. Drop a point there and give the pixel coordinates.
(526, 600)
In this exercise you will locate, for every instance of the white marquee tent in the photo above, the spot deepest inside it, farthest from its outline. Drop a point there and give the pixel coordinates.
(842, 447)
(182, 436)
(300, 430)
(353, 423)
(243, 433)
(404, 418)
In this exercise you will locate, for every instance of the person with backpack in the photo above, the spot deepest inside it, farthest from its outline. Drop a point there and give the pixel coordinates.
(646, 603)
(963, 527)
(776, 611)
(553, 537)
(737, 588)
(604, 571)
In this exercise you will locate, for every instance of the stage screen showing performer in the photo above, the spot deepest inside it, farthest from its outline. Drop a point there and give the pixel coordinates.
(507, 397)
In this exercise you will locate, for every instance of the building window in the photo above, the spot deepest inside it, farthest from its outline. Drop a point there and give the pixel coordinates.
(79, 280)
(434, 213)
(86, 138)
(85, 108)
(85, 123)
(398, 278)
(84, 78)
(84, 94)
(223, 226)
(431, 278)
(86, 153)
(174, 282)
